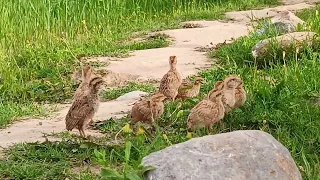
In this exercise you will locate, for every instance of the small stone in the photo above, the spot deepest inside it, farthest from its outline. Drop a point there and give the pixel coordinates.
(238, 155)
(284, 41)
(134, 95)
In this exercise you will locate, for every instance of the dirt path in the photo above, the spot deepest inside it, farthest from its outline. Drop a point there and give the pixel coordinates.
(145, 65)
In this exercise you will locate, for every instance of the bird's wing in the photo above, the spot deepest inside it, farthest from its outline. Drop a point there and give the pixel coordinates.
(167, 80)
(207, 110)
(145, 108)
(78, 112)
(185, 85)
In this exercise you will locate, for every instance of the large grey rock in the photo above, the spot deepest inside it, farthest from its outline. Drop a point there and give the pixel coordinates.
(238, 155)
(283, 22)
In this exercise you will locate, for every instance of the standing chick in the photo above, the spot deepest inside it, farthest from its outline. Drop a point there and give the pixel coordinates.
(171, 81)
(207, 112)
(147, 110)
(188, 89)
(228, 86)
(85, 105)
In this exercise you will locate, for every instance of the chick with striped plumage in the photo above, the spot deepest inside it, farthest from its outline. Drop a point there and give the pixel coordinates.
(189, 89)
(171, 81)
(234, 93)
(149, 109)
(207, 112)
(85, 103)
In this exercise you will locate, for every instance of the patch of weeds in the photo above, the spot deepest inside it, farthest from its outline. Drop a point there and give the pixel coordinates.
(204, 49)
(98, 63)
(156, 40)
(191, 25)
(312, 17)
(211, 48)
(112, 126)
(128, 172)
(12, 111)
(33, 161)
(157, 36)
(132, 86)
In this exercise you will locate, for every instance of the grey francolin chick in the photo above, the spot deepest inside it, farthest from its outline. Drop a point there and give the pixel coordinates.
(188, 89)
(147, 110)
(229, 87)
(240, 93)
(85, 105)
(207, 112)
(171, 81)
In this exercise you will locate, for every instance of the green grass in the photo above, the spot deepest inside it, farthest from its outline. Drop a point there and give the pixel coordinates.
(47, 160)
(12, 111)
(40, 39)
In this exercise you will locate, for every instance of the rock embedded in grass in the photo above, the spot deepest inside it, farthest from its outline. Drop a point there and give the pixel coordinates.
(284, 22)
(238, 155)
(293, 41)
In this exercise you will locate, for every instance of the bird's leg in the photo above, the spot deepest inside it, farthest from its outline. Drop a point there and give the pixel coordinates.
(83, 133)
(80, 132)
(153, 124)
(210, 128)
(153, 127)
(221, 123)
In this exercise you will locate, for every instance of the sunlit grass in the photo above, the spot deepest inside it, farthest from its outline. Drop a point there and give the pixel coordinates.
(40, 40)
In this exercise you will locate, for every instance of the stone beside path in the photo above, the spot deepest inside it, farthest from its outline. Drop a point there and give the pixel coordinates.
(237, 155)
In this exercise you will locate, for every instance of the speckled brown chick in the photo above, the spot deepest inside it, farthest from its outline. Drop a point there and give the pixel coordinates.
(228, 86)
(171, 81)
(188, 89)
(86, 75)
(147, 110)
(84, 106)
(207, 112)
